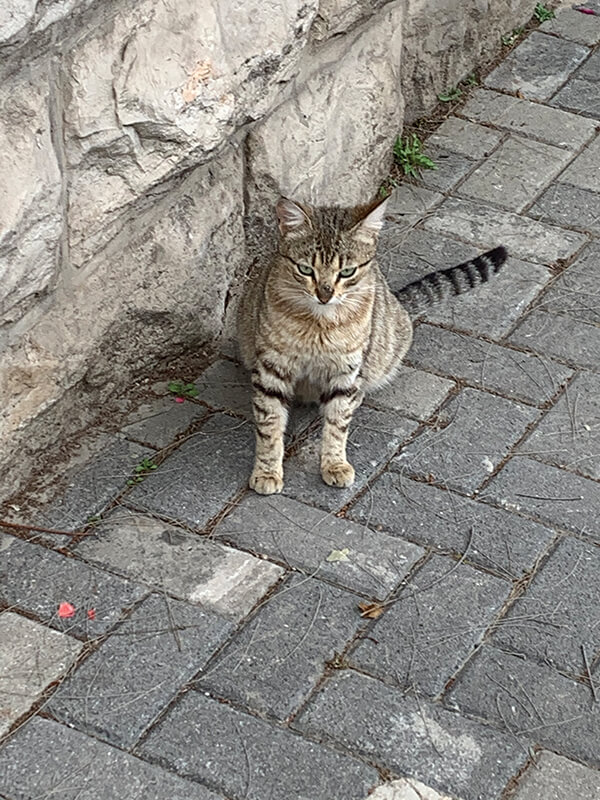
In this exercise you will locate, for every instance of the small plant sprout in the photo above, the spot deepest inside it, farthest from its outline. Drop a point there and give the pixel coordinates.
(510, 38)
(450, 95)
(409, 155)
(542, 13)
(182, 390)
(140, 471)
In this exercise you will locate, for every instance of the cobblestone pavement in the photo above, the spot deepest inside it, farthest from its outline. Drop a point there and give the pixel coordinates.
(213, 643)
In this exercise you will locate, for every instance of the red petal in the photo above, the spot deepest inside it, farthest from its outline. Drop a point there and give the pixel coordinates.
(91, 613)
(180, 400)
(66, 610)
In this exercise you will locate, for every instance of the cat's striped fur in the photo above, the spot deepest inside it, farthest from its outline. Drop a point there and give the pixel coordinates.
(319, 323)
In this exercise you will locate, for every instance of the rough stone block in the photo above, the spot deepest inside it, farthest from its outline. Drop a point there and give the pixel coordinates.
(536, 703)
(464, 137)
(451, 167)
(426, 635)
(488, 227)
(187, 566)
(124, 684)
(538, 66)
(556, 616)
(554, 777)
(562, 337)
(31, 658)
(273, 663)
(159, 423)
(38, 580)
(569, 434)
(473, 433)
(575, 290)
(409, 203)
(550, 494)
(590, 70)
(50, 760)
(372, 440)
(530, 119)
(580, 96)
(406, 789)
(304, 538)
(202, 475)
(412, 737)
(448, 522)
(585, 170)
(572, 25)
(522, 376)
(515, 173)
(413, 393)
(568, 206)
(247, 757)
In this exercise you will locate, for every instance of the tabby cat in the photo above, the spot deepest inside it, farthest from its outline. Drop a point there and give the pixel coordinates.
(320, 323)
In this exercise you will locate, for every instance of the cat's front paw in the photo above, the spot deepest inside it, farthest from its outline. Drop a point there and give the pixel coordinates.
(266, 482)
(338, 473)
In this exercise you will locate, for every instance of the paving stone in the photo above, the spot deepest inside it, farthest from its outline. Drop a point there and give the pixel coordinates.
(124, 684)
(37, 580)
(179, 562)
(487, 227)
(534, 701)
(45, 759)
(451, 167)
(523, 376)
(569, 434)
(491, 309)
(569, 206)
(548, 493)
(406, 789)
(515, 173)
(274, 662)
(530, 119)
(410, 203)
(478, 431)
(202, 475)
(537, 67)
(157, 424)
(448, 522)
(245, 757)
(31, 658)
(580, 96)
(584, 171)
(554, 777)
(304, 538)
(558, 614)
(413, 393)
(575, 291)
(467, 138)
(426, 635)
(412, 737)
(373, 438)
(572, 25)
(559, 336)
(590, 71)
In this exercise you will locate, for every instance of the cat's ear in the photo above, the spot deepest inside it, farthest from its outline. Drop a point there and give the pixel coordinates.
(372, 221)
(292, 217)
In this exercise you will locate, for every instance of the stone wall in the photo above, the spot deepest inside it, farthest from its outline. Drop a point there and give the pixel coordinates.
(136, 136)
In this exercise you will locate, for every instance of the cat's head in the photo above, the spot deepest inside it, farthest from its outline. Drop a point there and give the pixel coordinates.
(327, 252)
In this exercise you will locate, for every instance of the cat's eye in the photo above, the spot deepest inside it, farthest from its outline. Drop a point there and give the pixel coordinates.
(347, 272)
(304, 269)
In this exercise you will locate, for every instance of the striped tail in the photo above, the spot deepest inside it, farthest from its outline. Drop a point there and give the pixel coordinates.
(438, 286)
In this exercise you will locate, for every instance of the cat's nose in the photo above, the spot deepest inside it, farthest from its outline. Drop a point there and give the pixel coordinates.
(324, 292)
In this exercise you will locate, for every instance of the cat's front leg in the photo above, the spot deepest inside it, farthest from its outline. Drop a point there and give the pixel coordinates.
(270, 402)
(338, 405)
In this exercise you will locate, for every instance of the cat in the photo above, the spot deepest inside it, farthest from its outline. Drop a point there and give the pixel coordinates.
(320, 323)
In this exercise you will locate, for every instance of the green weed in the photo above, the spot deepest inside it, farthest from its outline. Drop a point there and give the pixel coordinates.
(183, 389)
(408, 153)
(141, 470)
(510, 38)
(542, 13)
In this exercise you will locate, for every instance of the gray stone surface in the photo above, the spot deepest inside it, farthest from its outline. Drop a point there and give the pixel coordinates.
(406, 789)
(557, 778)
(425, 635)
(575, 291)
(157, 424)
(472, 434)
(515, 173)
(569, 206)
(412, 393)
(45, 759)
(573, 25)
(409, 203)
(31, 658)
(559, 336)
(533, 701)
(526, 377)
(451, 167)
(38, 580)
(529, 119)
(245, 757)
(273, 663)
(206, 471)
(302, 537)
(550, 494)
(118, 690)
(537, 67)
(569, 434)
(451, 523)
(464, 137)
(373, 438)
(558, 614)
(589, 71)
(584, 171)
(580, 96)
(182, 563)
(487, 227)
(412, 737)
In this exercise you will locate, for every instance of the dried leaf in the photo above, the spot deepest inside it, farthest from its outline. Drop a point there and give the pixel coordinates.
(371, 610)
(338, 555)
